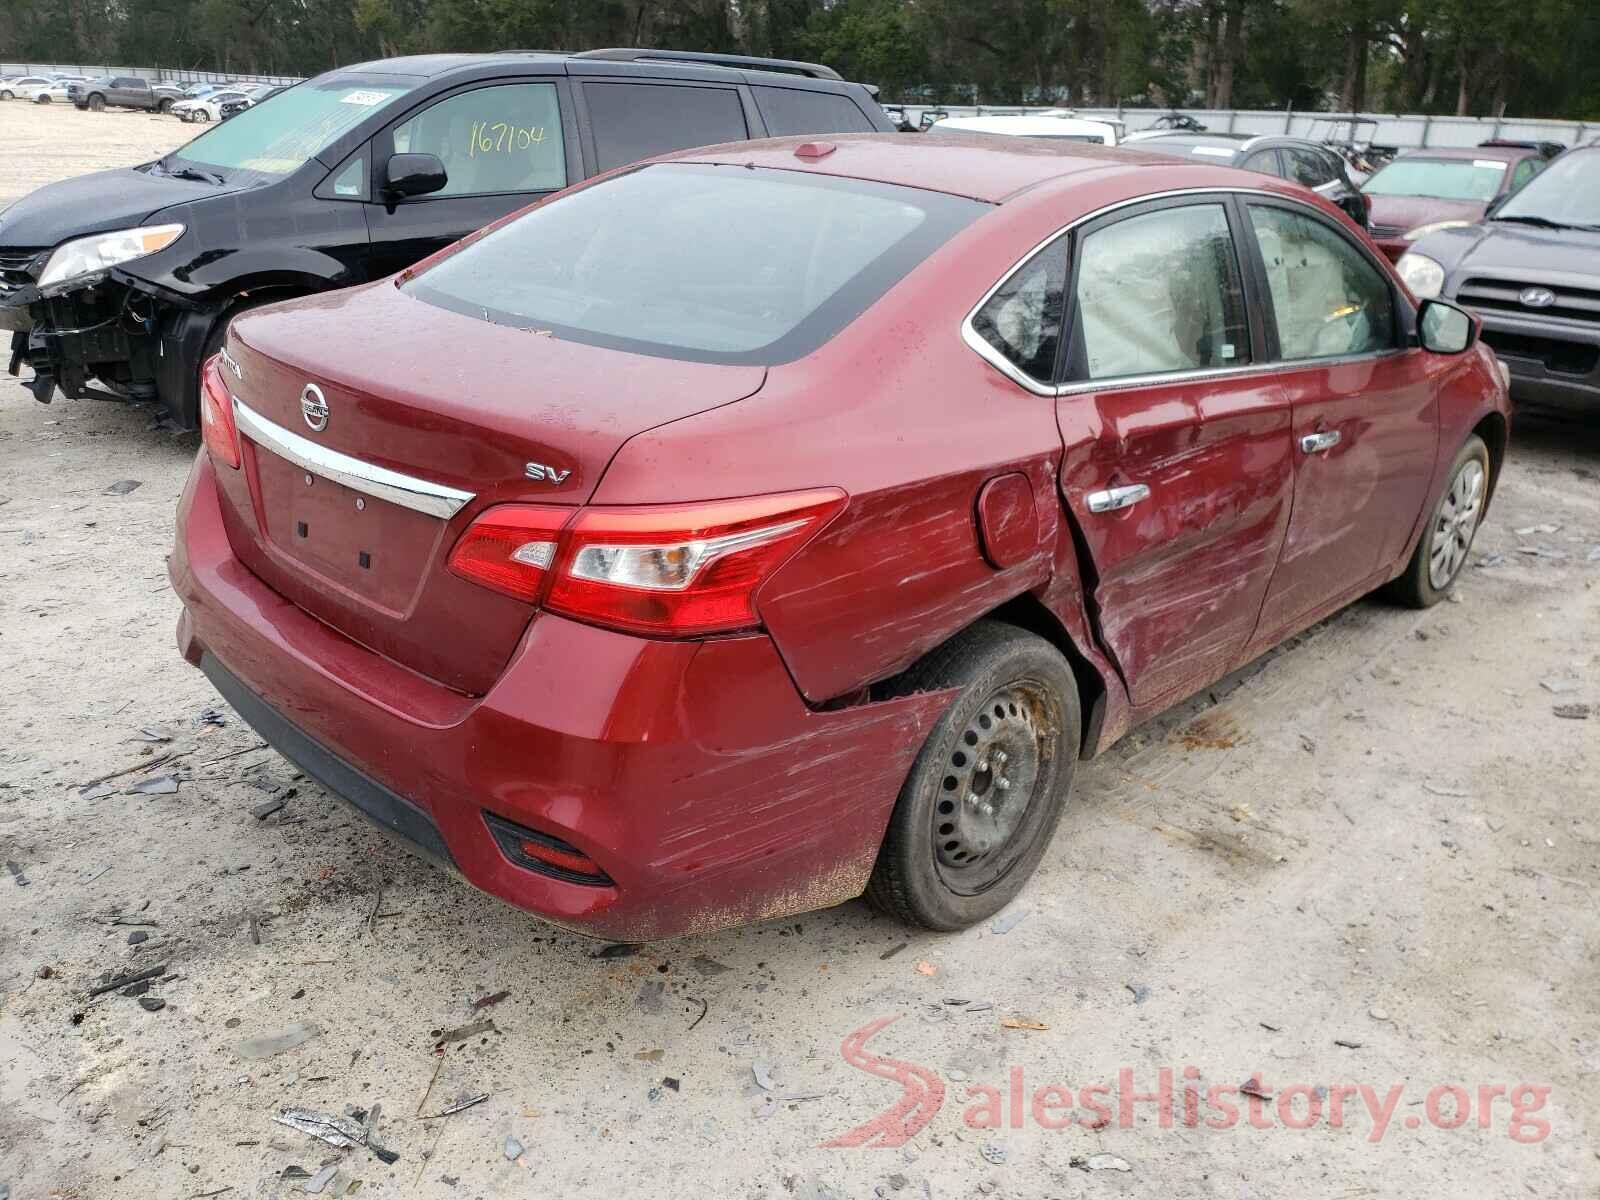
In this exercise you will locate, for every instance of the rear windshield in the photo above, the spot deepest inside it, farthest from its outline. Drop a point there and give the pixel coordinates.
(281, 134)
(1439, 178)
(716, 264)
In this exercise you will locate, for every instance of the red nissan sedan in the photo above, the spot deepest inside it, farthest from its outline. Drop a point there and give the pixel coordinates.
(744, 531)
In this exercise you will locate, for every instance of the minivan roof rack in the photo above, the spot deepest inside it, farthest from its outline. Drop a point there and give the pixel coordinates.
(788, 65)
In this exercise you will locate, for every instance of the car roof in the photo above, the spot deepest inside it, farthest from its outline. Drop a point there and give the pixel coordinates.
(1026, 125)
(1231, 142)
(644, 62)
(976, 165)
(1507, 154)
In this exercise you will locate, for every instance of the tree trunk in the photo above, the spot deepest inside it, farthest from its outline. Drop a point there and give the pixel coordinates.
(1353, 97)
(1206, 68)
(1232, 53)
(1463, 100)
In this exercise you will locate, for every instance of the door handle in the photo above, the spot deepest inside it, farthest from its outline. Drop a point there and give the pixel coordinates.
(1316, 443)
(1118, 497)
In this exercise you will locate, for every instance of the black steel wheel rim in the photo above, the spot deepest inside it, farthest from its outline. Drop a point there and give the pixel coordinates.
(990, 793)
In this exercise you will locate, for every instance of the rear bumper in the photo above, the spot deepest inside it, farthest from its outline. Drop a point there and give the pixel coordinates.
(1553, 363)
(692, 772)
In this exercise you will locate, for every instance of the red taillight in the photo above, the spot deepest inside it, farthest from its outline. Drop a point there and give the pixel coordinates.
(671, 570)
(510, 548)
(217, 426)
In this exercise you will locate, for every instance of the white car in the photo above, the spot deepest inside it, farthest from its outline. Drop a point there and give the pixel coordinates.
(206, 108)
(1046, 125)
(23, 87)
(55, 93)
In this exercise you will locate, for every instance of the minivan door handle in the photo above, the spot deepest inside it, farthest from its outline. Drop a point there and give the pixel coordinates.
(1316, 443)
(1118, 497)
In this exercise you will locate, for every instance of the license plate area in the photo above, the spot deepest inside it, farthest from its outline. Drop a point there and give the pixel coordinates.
(363, 546)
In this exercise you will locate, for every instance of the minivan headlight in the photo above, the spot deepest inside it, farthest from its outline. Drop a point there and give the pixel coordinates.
(1422, 275)
(102, 250)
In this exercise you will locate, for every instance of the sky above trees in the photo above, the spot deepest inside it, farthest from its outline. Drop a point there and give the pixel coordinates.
(1530, 58)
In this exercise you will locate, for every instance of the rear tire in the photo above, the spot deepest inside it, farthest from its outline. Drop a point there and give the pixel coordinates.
(1446, 543)
(97, 103)
(6, 95)
(983, 798)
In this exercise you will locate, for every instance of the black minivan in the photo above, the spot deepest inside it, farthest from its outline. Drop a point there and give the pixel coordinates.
(120, 284)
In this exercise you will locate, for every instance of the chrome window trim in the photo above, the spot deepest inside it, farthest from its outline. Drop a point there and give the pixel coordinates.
(419, 495)
(974, 340)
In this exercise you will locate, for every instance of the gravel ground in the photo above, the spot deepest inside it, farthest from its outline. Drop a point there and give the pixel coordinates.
(1372, 859)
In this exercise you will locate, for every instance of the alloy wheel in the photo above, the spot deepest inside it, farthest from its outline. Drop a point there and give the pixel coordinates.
(1455, 523)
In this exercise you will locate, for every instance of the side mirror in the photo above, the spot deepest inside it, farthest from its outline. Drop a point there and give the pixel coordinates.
(412, 175)
(1444, 328)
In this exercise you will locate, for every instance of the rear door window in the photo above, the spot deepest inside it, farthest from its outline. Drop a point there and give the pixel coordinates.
(793, 110)
(1307, 167)
(505, 138)
(1160, 292)
(1021, 322)
(1328, 300)
(1264, 161)
(637, 120)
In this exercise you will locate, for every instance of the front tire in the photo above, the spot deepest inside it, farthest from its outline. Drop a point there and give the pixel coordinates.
(164, 107)
(983, 798)
(1446, 543)
(97, 103)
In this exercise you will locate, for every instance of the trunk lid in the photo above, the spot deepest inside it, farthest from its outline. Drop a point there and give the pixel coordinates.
(428, 417)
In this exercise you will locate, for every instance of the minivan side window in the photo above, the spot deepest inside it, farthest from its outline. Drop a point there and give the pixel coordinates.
(505, 138)
(1022, 320)
(1329, 301)
(1161, 292)
(349, 182)
(636, 120)
(792, 110)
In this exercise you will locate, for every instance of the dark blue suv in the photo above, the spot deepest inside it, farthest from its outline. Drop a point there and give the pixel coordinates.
(120, 284)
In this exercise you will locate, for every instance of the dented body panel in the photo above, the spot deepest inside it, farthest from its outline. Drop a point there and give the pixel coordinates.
(721, 779)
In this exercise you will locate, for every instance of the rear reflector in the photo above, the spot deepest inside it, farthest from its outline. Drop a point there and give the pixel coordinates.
(217, 427)
(548, 855)
(667, 570)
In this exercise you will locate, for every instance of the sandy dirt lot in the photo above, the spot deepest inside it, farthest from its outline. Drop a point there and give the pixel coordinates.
(1370, 861)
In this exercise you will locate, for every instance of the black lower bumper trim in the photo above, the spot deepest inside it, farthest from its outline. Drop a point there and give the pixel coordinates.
(389, 810)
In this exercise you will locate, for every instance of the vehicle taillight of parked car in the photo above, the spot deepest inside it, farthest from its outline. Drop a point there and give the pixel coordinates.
(673, 570)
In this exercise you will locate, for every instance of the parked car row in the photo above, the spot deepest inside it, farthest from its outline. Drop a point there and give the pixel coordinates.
(40, 89)
(195, 102)
(220, 103)
(758, 523)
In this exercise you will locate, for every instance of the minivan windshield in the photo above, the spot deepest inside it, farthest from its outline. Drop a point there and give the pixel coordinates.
(720, 264)
(280, 135)
(1476, 179)
(1566, 193)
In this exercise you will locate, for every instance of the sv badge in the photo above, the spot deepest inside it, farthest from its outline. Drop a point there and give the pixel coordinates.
(545, 474)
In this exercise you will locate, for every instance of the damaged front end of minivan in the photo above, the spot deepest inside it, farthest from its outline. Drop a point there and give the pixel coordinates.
(89, 328)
